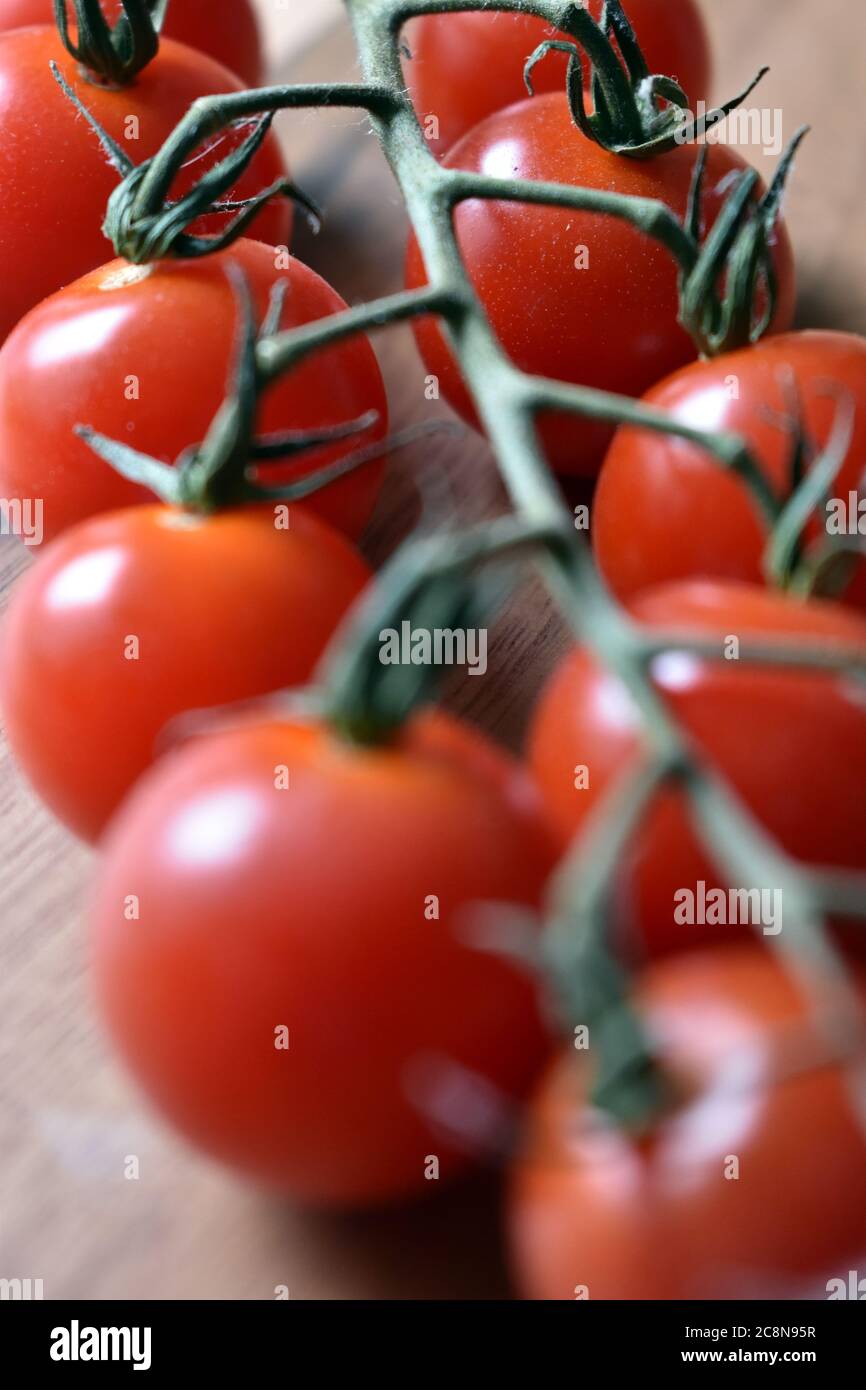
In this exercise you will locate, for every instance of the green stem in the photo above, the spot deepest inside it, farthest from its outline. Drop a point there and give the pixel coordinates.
(647, 215)
(351, 672)
(208, 116)
(282, 351)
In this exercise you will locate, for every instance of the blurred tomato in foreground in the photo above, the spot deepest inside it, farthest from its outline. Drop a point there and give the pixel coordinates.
(283, 943)
(751, 1186)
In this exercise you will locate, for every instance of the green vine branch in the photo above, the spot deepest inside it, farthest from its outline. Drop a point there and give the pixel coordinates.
(595, 619)
(434, 572)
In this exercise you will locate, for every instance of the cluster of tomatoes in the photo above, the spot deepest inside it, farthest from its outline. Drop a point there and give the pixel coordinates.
(284, 923)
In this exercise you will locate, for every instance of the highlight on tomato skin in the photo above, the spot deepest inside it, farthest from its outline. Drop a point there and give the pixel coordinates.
(665, 510)
(750, 1186)
(136, 617)
(51, 221)
(580, 297)
(285, 879)
(146, 354)
(770, 732)
(464, 67)
(227, 30)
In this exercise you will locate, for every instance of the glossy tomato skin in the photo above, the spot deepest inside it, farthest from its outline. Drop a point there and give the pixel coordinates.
(305, 909)
(662, 1218)
(227, 30)
(466, 66)
(145, 355)
(611, 325)
(55, 180)
(664, 510)
(792, 744)
(138, 616)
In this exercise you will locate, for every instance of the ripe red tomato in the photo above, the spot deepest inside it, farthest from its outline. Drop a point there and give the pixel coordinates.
(140, 615)
(340, 910)
(227, 30)
(611, 324)
(791, 743)
(750, 1188)
(665, 510)
(165, 334)
(55, 180)
(466, 66)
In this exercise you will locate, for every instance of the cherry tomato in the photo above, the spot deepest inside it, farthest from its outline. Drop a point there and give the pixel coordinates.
(466, 66)
(140, 615)
(55, 180)
(300, 994)
(791, 743)
(751, 1187)
(580, 297)
(227, 30)
(144, 355)
(664, 510)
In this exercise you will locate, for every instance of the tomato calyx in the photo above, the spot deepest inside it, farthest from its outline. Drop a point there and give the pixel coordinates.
(825, 568)
(144, 230)
(142, 221)
(142, 235)
(208, 479)
(635, 112)
(218, 473)
(793, 563)
(736, 255)
(112, 54)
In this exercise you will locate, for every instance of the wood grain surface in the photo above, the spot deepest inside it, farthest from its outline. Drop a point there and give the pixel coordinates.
(68, 1116)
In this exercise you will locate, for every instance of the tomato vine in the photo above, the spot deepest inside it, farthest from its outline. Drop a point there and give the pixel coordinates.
(592, 984)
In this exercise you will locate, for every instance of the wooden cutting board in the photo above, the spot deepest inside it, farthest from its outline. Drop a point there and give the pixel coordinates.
(68, 1116)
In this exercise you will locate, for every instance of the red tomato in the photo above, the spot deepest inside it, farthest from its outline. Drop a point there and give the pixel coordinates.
(670, 1217)
(166, 335)
(612, 325)
(466, 66)
(791, 743)
(135, 617)
(55, 180)
(665, 510)
(315, 910)
(225, 29)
